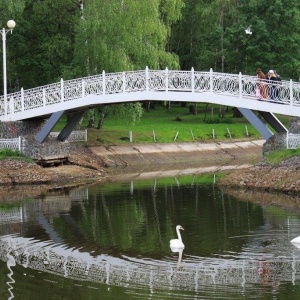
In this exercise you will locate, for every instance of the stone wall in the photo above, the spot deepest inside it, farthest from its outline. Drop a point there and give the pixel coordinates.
(11, 130)
(50, 149)
(278, 140)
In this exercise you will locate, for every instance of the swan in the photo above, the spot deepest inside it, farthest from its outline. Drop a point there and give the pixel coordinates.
(177, 243)
(296, 240)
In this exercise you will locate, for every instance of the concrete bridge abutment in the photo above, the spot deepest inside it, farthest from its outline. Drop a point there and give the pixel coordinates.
(51, 149)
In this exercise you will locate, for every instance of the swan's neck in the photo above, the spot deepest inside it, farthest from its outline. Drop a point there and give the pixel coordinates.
(178, 234)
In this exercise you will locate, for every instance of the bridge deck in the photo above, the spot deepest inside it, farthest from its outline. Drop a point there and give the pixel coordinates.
(234, 90)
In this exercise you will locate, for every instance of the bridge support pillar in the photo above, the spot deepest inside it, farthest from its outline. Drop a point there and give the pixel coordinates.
(44, 132)
(260, 126)
(273, 121)
(72, 123)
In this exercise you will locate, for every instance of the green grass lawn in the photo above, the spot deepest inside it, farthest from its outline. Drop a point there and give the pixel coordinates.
(165, 125)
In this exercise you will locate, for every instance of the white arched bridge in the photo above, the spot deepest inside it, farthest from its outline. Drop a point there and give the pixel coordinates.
(247, 93)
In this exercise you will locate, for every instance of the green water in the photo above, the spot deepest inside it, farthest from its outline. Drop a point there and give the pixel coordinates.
(111, 241)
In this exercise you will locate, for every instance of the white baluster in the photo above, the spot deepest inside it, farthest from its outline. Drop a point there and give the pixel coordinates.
(103, 82)
(240, 86)
(82, 88)
(211, 80)
(147, 79)
(167, 80)
(22, 99)
(44, 97)
(62, 95)
(11, 104)
(193, 80)
(124, 83)
(291, 92)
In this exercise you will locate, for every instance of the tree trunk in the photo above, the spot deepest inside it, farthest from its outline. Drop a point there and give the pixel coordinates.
(101, 117)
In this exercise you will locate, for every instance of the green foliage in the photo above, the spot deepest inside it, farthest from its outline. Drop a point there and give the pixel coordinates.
(211, 34)
(130, 112)
(14, 154)
(125, 35)
(275, 157)
(218, 121)
(5, 152)
(42, 43)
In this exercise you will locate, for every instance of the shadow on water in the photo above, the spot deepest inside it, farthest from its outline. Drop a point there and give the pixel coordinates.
(111, 241)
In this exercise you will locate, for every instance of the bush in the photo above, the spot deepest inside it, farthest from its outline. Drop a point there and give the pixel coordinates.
(5, 152)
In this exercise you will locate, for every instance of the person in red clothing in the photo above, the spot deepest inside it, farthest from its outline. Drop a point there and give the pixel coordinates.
(262, 88)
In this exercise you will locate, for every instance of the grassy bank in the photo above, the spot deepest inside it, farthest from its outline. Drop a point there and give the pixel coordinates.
(275, 157)
(177, 124)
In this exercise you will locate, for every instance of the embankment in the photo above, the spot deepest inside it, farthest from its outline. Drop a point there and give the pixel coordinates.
(136, 161)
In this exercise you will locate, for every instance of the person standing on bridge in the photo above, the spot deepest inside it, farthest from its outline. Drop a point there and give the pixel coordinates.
(274, 81)
(262, 88)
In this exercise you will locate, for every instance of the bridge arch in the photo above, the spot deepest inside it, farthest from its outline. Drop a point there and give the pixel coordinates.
(78, 95)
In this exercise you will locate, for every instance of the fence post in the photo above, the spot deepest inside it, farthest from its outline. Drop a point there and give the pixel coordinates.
(86, 138)
(20, 144)
(192, 134)
(103, 82)
(22, 99)
(229, 132)
(240, 85)
(193, 80)
(62, 95)
(211, 80)
(287, 140)
(167, 80)
(154, 137)
(247, 132)
(147, 79)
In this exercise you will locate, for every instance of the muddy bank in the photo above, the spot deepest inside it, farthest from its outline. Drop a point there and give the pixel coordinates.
(288, 202)
(284, 177)
(134, 161)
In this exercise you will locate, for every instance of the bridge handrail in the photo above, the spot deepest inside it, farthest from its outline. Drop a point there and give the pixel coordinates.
(238, 85)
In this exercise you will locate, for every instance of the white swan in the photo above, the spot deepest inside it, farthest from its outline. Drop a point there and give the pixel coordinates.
(177, 243)
(296, 240)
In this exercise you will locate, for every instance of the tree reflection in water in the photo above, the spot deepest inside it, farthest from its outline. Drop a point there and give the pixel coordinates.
(118, 235)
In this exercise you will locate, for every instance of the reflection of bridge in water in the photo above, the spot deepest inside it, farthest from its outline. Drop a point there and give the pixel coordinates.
(189, 274)
(56, 257)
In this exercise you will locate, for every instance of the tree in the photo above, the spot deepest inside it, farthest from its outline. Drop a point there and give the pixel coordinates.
(43, 42)
(211, 34)
(10, 9)
(123, 35)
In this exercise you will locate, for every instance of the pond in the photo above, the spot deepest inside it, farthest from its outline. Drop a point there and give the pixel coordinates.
(111, 241)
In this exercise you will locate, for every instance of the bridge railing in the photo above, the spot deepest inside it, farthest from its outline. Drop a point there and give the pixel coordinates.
(237, 85)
